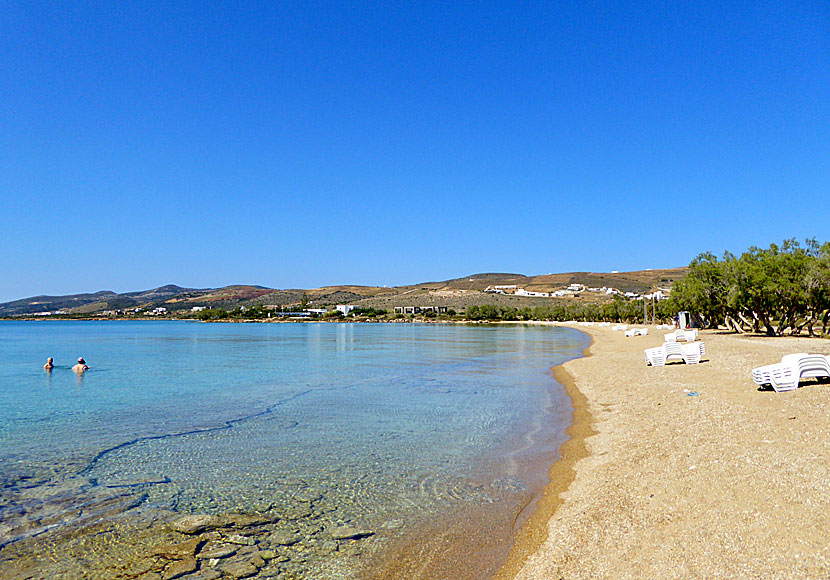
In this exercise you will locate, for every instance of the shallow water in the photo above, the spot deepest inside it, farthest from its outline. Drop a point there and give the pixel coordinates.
(378, 427)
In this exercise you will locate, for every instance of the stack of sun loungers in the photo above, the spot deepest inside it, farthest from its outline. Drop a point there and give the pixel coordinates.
(691, 352)
(786, 375)
(636, 332)
(688, 335)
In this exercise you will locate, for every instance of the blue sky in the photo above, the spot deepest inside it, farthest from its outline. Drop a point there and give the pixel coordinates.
(299, 144)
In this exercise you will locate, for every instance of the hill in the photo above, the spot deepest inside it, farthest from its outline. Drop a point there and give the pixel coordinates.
(453, 293)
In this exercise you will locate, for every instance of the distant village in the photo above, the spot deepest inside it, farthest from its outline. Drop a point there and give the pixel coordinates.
(575, 289)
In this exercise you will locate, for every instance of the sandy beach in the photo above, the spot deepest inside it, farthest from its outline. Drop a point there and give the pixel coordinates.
(685, 471)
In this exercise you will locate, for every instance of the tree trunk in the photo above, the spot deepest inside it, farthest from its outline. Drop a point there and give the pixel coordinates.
(756, 326)
(749, 325)
(783, 324)
(733, 325)
(770, 329)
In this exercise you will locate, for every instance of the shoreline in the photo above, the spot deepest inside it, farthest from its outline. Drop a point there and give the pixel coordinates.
(533, 533)
(477, 544)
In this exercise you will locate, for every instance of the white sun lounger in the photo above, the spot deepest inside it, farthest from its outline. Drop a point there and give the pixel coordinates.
(786, 375)
(688, 335)
(690, 353)
(656, 356)
(636, 332)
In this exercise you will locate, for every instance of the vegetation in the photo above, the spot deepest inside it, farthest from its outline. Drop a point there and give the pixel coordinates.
(368, 312)
(773, 290)
(619, 310)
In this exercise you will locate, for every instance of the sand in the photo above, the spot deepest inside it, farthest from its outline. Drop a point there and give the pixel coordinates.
(733, 482)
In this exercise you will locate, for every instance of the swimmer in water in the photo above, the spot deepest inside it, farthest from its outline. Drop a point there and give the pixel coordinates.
(81, 366)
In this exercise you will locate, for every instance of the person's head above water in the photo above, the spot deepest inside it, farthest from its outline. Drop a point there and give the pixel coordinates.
(81, 366)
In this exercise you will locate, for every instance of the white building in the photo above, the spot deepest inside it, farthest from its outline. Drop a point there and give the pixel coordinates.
(345, 308)
(198, 308)
(523, 292)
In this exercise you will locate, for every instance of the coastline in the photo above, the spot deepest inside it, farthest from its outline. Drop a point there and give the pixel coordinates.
(533, 533)
(688, 470)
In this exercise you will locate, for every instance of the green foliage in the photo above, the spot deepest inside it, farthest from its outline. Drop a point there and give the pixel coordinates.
(774, 289)
(370, 312)
(212, 314)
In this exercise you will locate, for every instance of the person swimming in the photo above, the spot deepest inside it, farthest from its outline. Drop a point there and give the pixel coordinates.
(81, 366)
(49, 365)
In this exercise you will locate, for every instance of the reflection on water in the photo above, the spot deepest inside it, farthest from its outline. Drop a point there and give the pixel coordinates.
(332, 439)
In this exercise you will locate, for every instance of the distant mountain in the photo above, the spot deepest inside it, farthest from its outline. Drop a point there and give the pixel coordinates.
(162, 292)
(53, 303)
(456, 292)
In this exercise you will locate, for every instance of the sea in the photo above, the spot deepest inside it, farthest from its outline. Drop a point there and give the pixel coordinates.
(341, 438)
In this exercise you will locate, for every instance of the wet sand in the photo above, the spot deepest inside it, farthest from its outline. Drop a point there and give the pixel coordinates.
(687, 471)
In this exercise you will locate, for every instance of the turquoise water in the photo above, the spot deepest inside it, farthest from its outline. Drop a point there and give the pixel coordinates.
(381, 424)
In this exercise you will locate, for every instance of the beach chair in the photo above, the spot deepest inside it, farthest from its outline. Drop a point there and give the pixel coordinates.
(693, 352)
(690, 353)
(786, 375)
(656, 356)
(688, 335)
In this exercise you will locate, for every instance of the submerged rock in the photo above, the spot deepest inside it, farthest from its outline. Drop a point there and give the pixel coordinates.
(239, 569)
(178, 551)
(284, 538)
(217, 552)
(193, 524)
(180, 568)
(349, 533)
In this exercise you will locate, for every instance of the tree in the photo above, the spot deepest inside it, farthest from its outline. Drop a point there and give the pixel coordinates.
(774, 289)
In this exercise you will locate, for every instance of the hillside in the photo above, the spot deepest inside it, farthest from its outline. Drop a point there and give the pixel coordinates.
(454, 293)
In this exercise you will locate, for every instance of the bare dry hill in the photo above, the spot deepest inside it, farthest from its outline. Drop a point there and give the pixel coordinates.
(455, 293)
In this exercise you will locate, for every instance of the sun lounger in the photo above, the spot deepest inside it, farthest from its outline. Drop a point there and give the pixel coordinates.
(786, 375)
(656, 356)
(636, 332)
(689, 353)
(688, 335)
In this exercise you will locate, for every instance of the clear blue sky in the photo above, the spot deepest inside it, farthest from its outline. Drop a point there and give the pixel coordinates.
(298, 144)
